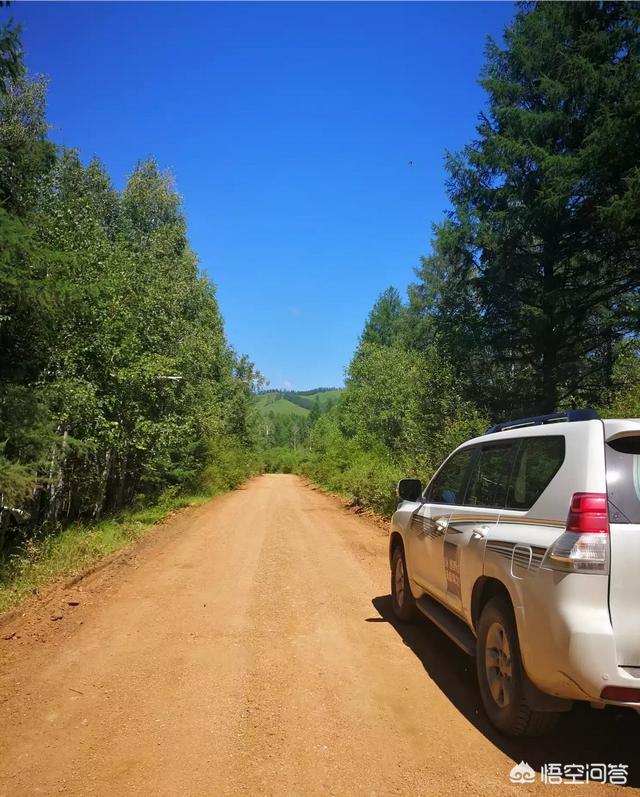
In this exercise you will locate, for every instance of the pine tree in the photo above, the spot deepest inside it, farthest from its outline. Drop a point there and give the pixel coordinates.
(542, 248)
(384, 324)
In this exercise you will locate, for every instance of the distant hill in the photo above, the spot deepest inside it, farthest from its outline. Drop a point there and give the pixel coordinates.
(295, 402)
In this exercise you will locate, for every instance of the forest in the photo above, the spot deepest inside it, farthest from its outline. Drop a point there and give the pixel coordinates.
(118, 385)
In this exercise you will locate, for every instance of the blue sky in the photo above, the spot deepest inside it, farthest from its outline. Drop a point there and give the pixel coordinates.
(289, 128)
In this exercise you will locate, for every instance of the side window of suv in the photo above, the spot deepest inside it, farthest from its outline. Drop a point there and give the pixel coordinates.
(490, 476)
(538, 461)
(448, 484)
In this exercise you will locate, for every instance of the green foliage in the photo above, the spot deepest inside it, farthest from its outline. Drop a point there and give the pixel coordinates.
(384, 326)
(282, 459)
(25, 154)
(230, 464)
(280, 429)
(366, 478)
(407, 404)
(623, 400)
(286, 417)
(10, 55)
(117, 383)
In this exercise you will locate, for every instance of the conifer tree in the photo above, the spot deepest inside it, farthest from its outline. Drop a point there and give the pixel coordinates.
(532, 284)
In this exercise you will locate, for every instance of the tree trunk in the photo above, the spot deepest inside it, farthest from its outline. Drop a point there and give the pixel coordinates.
(549, 343)
(122, 480)
(102, 486)
(55, 475)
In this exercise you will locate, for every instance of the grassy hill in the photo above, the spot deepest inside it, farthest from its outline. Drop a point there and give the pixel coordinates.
(324, 395)
(294, 402)
(273, 402)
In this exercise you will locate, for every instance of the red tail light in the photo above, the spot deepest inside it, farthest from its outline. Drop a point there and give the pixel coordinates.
(588, 513)
(624, 694)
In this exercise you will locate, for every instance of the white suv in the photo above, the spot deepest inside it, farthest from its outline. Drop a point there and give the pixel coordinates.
(524, 548)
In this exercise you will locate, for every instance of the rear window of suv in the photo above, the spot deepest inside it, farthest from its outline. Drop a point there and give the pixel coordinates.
(623, 479)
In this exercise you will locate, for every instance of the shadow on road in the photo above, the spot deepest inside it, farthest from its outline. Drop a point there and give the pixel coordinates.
(583, 736)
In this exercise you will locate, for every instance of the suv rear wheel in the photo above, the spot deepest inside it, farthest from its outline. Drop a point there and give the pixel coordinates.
(404, 606)
(501, 674)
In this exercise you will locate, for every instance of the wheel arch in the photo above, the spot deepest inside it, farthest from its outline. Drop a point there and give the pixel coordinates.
(395, 541)
(484, 589)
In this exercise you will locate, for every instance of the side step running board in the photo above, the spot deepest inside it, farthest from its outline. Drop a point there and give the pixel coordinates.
(448, 623)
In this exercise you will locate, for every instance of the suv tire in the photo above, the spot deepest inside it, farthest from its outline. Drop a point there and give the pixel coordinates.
(404, 605)
(501, 676)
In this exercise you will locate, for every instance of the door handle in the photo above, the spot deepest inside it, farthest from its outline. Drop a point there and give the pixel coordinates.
(481, 531)
(442, 523)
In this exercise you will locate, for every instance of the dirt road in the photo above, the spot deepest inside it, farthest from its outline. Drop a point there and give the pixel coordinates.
(247, 647)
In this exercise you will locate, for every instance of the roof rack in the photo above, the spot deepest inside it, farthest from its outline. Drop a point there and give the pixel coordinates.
(537, 420)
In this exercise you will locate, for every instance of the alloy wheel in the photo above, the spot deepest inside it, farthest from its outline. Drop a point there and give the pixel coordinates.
(498, 665)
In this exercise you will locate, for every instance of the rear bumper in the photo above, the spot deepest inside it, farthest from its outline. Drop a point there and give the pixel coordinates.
(591, 664)
(567, 641)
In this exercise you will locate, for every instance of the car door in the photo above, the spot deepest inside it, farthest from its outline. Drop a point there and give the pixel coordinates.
(472, 520)
(431, 518)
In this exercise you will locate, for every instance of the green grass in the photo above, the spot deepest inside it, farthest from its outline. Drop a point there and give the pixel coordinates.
(268, 402)
(72, 550)
(325, 396)
(273, 401)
